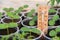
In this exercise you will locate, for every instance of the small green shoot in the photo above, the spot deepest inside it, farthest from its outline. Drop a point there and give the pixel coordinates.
(52, 33)
(55, 17)
(37, 4)
(57, 29)
(31, 23)
(55, 38)
(51, 23)
(12, 25)
(26, 6)
(30, 14)
(52, 10)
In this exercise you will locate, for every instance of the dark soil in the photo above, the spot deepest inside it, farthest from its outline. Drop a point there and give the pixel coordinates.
(52, 13)
(43, 38)
(27, 22)
(57, 22)
(56, 7)
(4, 31)
(6, 20)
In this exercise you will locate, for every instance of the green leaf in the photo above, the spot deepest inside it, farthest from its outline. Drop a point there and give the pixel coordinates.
(16, 17)
(33, 11)
(11, 9)
(19, 10)
(55, 38)
(58, 1)
(25, 29)
(57, 29)
(37, 5)
(3, 26)
(5, 9)
(55, 17)
(29, 14)
(34, 18)
(51, 23)
(26, 6)
(10, 14)
(31, 23)
(52, 10)
(14, 38)
(35, 30)
(12, 25)
(52, 2)
(52, 33)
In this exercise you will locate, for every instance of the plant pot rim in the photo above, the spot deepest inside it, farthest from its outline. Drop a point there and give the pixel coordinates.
(51, 27)
(10, 18)
(11, 33)
(26, 25)
(47, 37)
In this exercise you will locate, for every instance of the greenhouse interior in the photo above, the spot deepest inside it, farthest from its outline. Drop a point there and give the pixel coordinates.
(29, 19)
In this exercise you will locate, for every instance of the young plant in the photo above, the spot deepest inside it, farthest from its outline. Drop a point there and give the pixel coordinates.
(12, 15)
(8, 9)
(25, 31)
(37, 5)
(53, 34)
(52, 2)
(8, 25)
(52, 21)
(55, 17)
(52, 10)
(25, 6)
(32, 22)
(20, 9)
(12, 25)
(30, 14)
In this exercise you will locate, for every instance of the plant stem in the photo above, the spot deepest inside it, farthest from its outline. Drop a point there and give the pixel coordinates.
(7, 31)
(30, 32)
